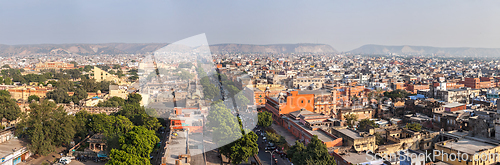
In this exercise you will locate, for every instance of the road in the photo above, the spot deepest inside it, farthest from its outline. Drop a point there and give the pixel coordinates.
(161, 151)
(265, 157)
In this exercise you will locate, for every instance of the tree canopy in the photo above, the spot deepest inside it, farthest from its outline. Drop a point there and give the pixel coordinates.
(8, 107)
(265, 119)
(414, 126)
(366, 124)
(47, 127)
(315, 153)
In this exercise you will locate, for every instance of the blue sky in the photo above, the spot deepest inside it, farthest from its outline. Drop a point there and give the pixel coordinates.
(345, 25)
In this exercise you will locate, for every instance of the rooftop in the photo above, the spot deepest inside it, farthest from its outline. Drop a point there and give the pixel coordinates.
(468, 146)
(315, 92)
(350, 133)
(361, 158)
(177, 147)
(7, 147)
(452, 105)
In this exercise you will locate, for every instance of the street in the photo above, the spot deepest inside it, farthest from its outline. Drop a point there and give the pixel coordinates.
(265, 157)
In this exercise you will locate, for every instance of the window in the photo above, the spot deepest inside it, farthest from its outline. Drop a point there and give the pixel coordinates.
(308, 101)
(302, 101)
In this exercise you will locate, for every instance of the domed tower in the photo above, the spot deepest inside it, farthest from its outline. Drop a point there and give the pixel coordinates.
(99, 93)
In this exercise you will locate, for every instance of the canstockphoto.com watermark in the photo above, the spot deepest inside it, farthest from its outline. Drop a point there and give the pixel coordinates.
(405, 155)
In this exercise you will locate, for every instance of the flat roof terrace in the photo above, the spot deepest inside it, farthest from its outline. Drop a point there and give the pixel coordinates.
(468, 146)
(9, 146)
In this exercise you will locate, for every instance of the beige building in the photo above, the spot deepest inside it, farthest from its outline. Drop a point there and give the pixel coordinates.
(53, 65)
(100, 75)
(470, 150)
(311, 83)
(25, 91)
(118, 91)
(361, 141)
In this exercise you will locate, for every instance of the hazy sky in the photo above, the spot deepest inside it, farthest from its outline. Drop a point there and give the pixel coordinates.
(345, 25)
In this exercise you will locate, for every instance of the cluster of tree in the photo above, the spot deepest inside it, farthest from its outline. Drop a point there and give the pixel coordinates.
(46, 127)
(350, 119)
(414, 127)
(62, 87)
(186, 65)
(184, 75)
(129, 133)
(9, 109)
(210, 91)
(5, 80)
(398, 93)
(237, 144)
(276, 139)
(90, 85)
(7, 75)
(133, 74)
(229, 85)
(366, 124)
(104, 67)
(112, 102)
(265, 119)
(315, 153)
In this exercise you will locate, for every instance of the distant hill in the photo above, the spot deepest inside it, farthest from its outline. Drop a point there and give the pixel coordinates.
(428, 50)
(277, 48)
(82, 49)
(133, 48)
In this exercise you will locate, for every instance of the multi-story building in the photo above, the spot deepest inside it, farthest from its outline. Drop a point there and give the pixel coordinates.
(100, 75)
(479, 83)
(289, 102)
(53, 65)
(25, 91)
(308, 82)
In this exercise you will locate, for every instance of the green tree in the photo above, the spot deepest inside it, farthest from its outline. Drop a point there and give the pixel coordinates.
(139, 141)
(366, 124)
(265, 119)
(74, 73)
(315, 153)
(87, 68)
(116, 66)
(9, 109)
(276, 138)
(185, 75)
(7, 81)
(81, 123)
(241, 100)
(240, 150)
(223, 123)
(120, 157)
(47, 127)
(414, 127)
(398, 93)
(33, 97)
(59, 95)
(379, 139)
(350, 119)
(232, 90)
(5, 93)
(112, 102)
(6, 66)
(74, 63)
(134, 98)
(296, 153)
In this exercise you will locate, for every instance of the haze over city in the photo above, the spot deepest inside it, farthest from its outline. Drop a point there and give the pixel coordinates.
(345, 25)
(120, 82)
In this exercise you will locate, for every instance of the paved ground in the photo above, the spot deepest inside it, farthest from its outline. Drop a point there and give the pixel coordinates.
(265, 157)
(289, 137)
(49, 158)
